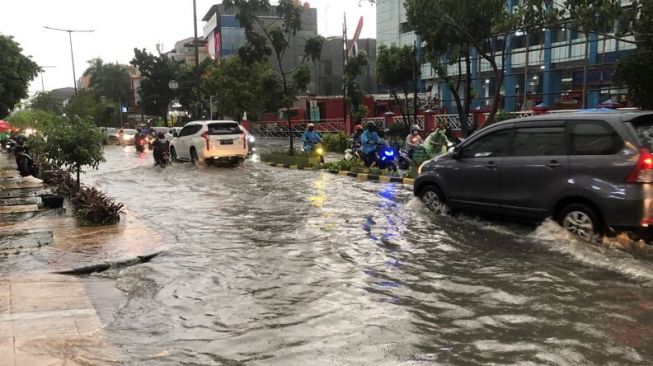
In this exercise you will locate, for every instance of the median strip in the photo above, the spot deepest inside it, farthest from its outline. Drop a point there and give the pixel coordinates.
(360, 176)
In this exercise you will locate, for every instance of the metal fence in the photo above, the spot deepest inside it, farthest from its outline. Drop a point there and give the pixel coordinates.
(279, 129)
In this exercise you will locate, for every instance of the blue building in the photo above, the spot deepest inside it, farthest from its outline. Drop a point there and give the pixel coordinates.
(544, 67)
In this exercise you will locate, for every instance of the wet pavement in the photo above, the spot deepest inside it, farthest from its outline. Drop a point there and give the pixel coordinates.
(269, 266)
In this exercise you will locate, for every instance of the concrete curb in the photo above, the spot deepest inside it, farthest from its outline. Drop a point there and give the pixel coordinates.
(101, 267)
(359, 176)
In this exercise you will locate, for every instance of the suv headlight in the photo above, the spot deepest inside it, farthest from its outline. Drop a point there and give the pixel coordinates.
(251, 138)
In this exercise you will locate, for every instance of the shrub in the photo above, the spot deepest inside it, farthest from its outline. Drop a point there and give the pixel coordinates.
(94, 207)
(336, 142)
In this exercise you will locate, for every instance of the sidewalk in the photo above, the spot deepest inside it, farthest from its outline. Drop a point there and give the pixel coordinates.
(47, 318)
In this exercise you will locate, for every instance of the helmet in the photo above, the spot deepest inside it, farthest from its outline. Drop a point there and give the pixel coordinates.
(358, 128)
(371, 126)
(310, 125)
(415, 128)
(160, 135)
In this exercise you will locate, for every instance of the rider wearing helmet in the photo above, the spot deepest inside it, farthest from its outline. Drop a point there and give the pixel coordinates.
(413, 139)
(159, 147)
(356, 137)
(370, 140)
(310, 137)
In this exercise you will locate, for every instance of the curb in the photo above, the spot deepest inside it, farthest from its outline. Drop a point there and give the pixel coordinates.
(359, 176)
(101, 267)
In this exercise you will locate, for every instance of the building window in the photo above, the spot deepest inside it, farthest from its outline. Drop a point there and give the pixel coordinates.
(406, 27)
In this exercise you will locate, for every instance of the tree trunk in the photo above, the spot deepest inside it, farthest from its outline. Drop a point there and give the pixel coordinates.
(464, 122)
(585, 68)
(78, 168)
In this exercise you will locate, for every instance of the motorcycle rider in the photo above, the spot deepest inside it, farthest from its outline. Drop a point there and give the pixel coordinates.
(356, 137)
(413, 140)
(437, 142)
(310, 137)
(160, 146)
(370, 139)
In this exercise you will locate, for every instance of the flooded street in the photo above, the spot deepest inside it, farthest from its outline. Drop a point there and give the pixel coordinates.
(272, 266)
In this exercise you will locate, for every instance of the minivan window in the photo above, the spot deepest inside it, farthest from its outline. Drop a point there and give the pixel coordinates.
(544, 141)
(594, 138)
(224, 129)
(491, 145)
(644, 128)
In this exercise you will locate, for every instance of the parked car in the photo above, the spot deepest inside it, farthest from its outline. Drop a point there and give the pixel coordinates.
(210, 141)
(591, 172)
(251, 140)
(112, 134)
(128, 137)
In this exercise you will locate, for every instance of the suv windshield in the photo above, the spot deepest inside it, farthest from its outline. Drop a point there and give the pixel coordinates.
(644, 128)
(224, 129)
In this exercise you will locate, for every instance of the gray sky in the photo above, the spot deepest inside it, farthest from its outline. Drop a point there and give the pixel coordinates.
(121, 25)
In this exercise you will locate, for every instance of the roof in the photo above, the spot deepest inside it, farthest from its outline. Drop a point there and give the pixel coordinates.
(612, 114)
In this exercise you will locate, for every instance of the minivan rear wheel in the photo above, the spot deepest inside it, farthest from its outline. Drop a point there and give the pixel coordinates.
(581, 220)
(432, 198)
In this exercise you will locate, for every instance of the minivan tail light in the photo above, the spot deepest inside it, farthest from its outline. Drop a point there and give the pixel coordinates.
(643, 172)
(206, 138)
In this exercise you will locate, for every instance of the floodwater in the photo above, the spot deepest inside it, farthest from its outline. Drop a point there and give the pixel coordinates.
(270, 266)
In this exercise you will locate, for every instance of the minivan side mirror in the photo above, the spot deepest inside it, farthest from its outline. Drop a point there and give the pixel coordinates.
(457, 152)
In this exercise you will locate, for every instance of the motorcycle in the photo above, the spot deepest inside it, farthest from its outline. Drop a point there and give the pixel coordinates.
(140, 145)
(315, 150)
(24, 161)
(164, 160)
(386, 158)
(404, 159)
(150, 141)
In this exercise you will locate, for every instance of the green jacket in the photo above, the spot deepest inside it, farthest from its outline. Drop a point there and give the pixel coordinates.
(436, 143)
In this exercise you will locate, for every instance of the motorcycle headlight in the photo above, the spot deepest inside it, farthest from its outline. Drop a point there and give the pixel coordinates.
(319, 151)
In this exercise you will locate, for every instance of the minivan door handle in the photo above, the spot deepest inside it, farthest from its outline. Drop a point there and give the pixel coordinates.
(553, 164)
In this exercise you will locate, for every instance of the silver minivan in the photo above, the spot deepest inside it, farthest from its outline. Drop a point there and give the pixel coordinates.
(590, 171)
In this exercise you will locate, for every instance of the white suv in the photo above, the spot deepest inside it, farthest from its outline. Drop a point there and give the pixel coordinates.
(210, 141)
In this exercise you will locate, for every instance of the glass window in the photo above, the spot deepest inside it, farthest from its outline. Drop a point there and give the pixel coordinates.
(594, 138)
(546, 141)
(189, 130)
(224, 129)
(644, 129)
(492, 145)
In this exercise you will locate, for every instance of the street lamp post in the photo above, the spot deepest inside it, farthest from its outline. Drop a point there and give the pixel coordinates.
(70, 39)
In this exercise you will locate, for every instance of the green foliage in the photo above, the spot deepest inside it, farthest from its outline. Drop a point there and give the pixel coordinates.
(157, 71)
(34, 118)
(636, 69)
(48, 101)
(74, 144)
(354, 68)
(336, 142)
(272, 39)
(94, 207)
(283, 157)
(109, 81)
(394, 68)
(240, 87)
(16, 72)
(501, 116)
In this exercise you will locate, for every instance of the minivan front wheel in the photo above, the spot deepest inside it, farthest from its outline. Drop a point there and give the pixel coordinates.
(582, 221)
(432, 198)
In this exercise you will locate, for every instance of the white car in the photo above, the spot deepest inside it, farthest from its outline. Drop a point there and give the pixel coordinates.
(210, 141)
(171, 133)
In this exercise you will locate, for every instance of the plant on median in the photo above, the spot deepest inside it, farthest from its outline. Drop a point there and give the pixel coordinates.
(336, 142)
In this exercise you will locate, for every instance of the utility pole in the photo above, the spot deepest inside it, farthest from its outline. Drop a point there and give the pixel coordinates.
(70, 39)
(197, 61)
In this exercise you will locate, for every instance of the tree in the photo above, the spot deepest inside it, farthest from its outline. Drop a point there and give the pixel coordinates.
(394, 68)
(157, 72)
(190, 92)
(273, 39)
(240, 87)
(74, 144)
(353, 92)
(39, 120)
(16, 72)
(111, 81)
(636, 69)
(592, 16)
(48, 101)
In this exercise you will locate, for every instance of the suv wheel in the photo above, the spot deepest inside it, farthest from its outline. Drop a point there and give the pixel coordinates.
(432, 198)
(582, 221)
(193, 156)
(173, 154)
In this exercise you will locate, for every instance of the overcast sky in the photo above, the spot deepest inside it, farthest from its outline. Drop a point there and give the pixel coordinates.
(121, 25)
